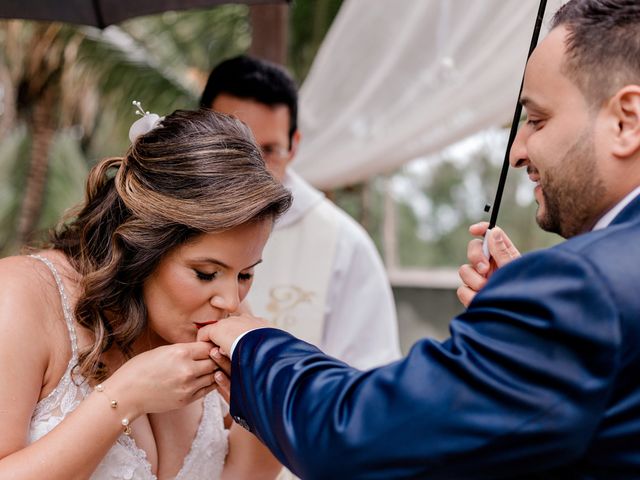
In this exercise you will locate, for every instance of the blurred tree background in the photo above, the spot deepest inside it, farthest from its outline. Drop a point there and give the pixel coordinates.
(66, 93)
(65, 102)
(435, 199)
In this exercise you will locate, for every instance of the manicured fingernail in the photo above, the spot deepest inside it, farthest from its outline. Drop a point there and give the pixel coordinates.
(218, 376)
(215, 353)
(482, 267)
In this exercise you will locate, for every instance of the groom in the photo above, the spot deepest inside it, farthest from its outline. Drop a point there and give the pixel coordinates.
(541, 375)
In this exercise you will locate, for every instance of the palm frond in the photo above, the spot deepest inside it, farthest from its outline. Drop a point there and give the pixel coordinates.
(14, 151)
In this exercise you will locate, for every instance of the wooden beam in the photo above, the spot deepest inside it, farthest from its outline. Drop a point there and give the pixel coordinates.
(270, 28)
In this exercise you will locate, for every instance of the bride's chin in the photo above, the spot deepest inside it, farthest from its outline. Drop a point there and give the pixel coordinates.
(183, 338)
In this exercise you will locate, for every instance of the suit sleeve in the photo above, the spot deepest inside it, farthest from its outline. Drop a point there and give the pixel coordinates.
(519, 386)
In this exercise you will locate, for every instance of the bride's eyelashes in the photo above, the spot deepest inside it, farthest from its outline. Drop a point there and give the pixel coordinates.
(205, 277)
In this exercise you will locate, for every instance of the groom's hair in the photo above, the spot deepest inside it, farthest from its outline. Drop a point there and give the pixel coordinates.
(602, 46)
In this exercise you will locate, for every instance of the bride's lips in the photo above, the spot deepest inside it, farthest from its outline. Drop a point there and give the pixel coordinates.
(199, 325)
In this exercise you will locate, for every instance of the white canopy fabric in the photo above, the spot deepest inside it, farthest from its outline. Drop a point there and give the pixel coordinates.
(398, 79)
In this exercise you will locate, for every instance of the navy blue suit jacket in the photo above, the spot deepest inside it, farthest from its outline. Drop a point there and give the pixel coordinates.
(539, 379)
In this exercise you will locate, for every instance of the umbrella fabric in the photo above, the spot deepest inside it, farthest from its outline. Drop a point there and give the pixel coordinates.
(100, 13)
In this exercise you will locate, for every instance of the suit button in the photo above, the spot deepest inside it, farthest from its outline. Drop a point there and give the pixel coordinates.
(242, 422)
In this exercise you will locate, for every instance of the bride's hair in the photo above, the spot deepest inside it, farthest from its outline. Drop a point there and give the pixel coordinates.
(197, 172)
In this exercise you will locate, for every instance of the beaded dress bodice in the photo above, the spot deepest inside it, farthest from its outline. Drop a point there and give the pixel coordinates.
(125, 460)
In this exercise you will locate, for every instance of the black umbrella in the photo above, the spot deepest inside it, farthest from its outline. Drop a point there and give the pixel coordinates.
(512, 134)
(100, 13)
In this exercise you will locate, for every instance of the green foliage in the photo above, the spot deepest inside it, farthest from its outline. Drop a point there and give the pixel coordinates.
(437, 198)
(65, 182)
(14, 151)
(66, 179)
(197, 39)
(309, 22)
(456, 190)
(370, 212)
(161, 60)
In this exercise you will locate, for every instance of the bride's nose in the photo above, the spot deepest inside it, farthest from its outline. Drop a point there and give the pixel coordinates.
(226, 298)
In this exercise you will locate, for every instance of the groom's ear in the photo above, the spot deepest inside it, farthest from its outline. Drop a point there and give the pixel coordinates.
(624, 106)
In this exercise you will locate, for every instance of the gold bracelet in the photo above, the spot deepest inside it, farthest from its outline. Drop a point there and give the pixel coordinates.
(114, 404)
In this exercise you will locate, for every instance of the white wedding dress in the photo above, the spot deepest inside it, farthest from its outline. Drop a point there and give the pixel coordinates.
(125, 460)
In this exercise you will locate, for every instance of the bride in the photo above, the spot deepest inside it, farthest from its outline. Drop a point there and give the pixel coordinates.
(101, 375)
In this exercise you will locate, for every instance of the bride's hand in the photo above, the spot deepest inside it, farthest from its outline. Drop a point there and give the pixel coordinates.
(162, 379)
(222, 376)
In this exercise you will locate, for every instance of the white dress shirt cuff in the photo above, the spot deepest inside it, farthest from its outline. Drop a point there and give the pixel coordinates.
(235, 342)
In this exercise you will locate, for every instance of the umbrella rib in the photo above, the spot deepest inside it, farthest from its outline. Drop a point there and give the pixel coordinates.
(97, 8)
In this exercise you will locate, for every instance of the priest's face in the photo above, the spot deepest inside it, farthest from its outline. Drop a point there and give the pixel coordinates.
(269, 125)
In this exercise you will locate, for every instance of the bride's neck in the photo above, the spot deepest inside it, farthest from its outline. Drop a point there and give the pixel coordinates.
(147, 341)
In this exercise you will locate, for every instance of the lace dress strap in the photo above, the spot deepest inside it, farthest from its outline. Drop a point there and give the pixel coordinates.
(71, 389)
(68, 317)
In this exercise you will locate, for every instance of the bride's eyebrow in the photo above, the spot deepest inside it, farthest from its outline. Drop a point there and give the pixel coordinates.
(222, 264)
(211, 260)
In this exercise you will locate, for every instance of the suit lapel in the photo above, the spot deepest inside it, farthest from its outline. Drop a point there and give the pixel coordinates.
(629, 213)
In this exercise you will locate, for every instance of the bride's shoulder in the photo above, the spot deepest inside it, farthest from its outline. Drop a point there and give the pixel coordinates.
(22, 272)
(30, 310)
(27, 288)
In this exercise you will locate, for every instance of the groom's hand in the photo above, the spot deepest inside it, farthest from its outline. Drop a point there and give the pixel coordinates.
(223, 333)
(475, 274)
